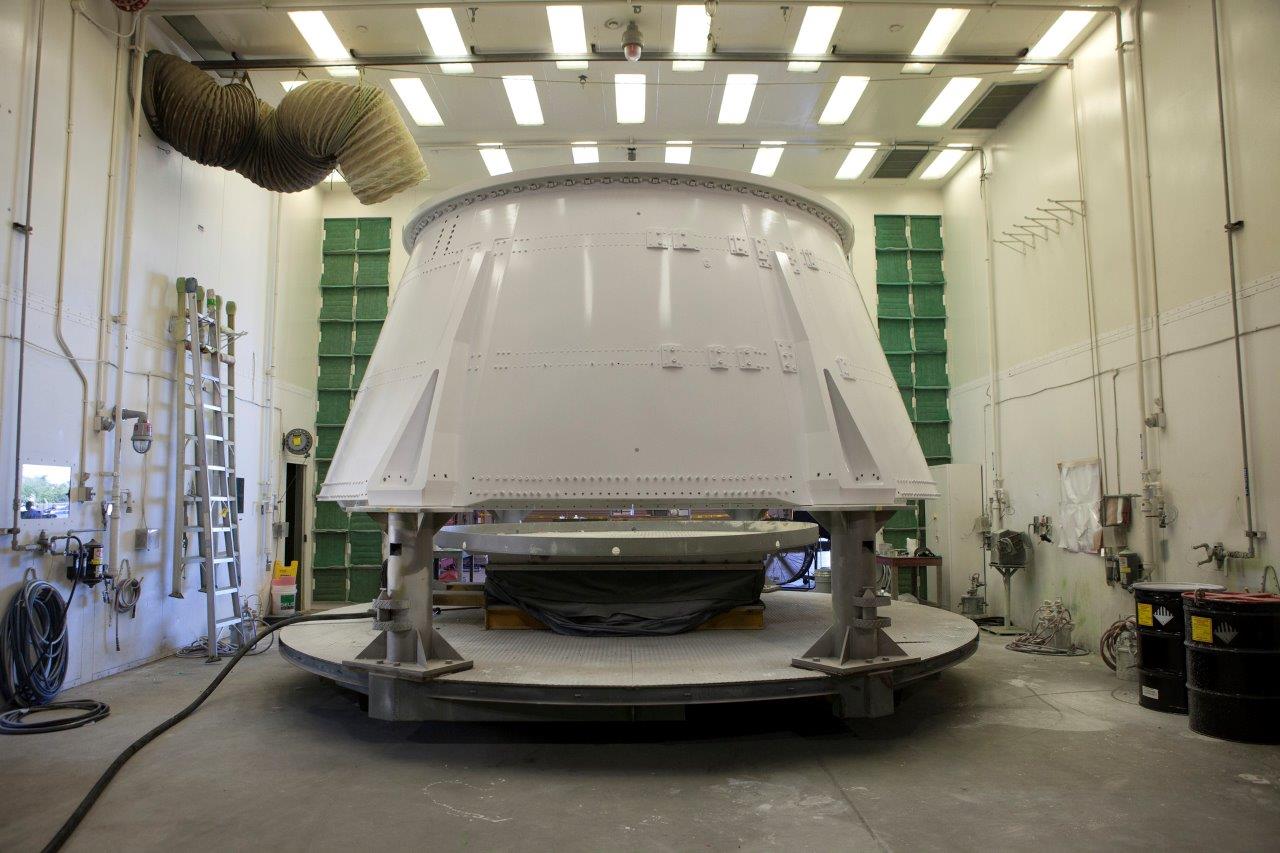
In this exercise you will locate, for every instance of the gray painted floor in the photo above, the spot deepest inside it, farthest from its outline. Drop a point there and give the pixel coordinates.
(1004, 752)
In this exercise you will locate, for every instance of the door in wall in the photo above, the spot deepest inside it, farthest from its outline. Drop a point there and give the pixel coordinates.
(296, 499)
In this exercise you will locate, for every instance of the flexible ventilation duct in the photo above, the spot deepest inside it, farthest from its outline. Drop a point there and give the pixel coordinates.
(317, 127)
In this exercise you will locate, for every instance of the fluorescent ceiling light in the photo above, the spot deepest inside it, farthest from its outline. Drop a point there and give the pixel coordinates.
(844, 97)
(568, 34)
(495, 158)
(323, 41)
(522, 92)
(735, 102)
(944, 162)
(445, 38)
(816, 30)
(413, 94)
(693, 25)
(941, 29)
(767, 157)
(1056, 40)
(585, 152)
(678, 151)
(855, 162)
(628, 98)
(290, 85)
(955, 93)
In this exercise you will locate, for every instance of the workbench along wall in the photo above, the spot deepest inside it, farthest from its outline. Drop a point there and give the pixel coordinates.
(354, 289)
(912, 316)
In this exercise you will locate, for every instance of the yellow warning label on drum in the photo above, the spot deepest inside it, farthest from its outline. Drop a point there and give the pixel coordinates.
(1202, 629)
(1144, 615)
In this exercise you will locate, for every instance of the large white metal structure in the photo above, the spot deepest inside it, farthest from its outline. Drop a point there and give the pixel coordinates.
(628, 334)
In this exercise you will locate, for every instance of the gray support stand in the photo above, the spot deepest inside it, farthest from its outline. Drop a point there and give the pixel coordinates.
(408, 647)
(856, 642)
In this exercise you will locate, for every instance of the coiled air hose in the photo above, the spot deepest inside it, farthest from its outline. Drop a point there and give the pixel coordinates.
(317, 127)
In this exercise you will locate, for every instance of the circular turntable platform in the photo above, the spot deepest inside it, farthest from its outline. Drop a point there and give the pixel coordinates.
(530, 667)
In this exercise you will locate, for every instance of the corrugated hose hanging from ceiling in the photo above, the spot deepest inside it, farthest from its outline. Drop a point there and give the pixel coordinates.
(317, 127)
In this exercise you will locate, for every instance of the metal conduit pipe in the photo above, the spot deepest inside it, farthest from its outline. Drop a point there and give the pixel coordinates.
(1232, 228)
(26, 270)
(60, 297)
(319, 126)
(997, 470)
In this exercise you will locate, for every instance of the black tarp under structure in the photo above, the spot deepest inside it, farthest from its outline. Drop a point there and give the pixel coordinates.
(587, 603)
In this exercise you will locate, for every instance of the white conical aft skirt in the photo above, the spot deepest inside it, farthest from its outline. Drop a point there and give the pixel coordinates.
(628, 334)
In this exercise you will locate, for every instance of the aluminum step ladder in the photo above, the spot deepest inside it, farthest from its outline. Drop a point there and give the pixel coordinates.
(206, 529)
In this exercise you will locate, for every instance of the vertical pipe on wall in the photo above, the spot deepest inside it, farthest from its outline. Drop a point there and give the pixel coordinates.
(1231, 228)
(1099, 425)
(26, 269)
(122, 317)
(1140, 364)
(997, 469)
(60, 298)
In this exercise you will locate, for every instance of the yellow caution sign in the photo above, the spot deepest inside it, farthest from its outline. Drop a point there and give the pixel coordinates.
(1202, 629)
(1144, 615)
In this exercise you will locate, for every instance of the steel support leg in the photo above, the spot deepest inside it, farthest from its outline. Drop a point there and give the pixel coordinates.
(408, 646)
(856, 641)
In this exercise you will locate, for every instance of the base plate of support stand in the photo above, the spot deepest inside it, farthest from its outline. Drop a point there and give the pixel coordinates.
(541, 675)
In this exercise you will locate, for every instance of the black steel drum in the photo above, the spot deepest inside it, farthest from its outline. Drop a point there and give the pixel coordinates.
(1162, 658)
(1233, 664)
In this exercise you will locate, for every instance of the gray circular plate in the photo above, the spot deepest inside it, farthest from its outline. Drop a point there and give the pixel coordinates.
(627, 541)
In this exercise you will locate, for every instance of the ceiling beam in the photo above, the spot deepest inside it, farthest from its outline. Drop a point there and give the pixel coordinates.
(406, 59)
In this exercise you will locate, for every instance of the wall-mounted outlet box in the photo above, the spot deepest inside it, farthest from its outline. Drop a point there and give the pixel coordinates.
(146, 539)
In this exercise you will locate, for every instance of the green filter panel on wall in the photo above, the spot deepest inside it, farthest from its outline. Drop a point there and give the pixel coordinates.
(339, 270)
(375, 235)
(335, 337)
(335, 372)
(891, 266)
(329, 584)
(891, 232)
(337, 303)
(340, 235)
(894, 300)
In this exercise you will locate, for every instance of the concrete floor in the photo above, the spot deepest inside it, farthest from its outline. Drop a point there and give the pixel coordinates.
(1005, 752)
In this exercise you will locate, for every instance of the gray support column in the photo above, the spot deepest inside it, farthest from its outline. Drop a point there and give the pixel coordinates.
(856, 641)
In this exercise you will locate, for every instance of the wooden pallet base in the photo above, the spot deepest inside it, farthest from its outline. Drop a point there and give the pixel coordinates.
(502, 617)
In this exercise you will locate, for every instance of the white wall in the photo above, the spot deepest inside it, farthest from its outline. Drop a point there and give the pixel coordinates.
(1053, 408)
(189, 221)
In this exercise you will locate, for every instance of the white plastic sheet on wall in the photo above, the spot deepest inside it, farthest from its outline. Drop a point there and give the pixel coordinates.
(1081, 489)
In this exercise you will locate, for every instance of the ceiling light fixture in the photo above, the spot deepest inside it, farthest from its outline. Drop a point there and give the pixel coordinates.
(568, 34)
(945, 162)
(816, 30)
(495, 158)
(632, 43)
(628, 97)
(844, 97)
(585, 152)
(941, 29)
(735, 101)
(768, 156)
(1057, 39)
(678, 152)
(445, 38)
(413, 94)
(522, 93)
(693, 28)
(855, 162)
(323, 41)
(952, 96)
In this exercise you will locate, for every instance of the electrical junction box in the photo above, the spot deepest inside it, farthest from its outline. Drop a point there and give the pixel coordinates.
(146, 539)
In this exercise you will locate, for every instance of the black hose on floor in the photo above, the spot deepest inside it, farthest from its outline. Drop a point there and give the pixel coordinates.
(69, 825)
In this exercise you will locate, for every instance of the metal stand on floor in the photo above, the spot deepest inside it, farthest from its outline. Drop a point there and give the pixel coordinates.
(408, 647)
(856, 643)
(1008, 629)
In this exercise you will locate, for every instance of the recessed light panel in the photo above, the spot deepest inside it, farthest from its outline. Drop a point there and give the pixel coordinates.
(735, 101)
(952, 96)
(844, 97)
(944, 162)
(568, 34)
(1055, 41)
(585, 152)
(855, 162)
(522, 93)
(678, 152)
(413, 94)
(628, 98)
(323, 40)
(495, 158)
(816, 30)
(768, 155)
(693, 24)
(941, 29)
(445, 38)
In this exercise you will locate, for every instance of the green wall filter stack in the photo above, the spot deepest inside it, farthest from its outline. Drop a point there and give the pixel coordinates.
(911, 311)
(354, 291)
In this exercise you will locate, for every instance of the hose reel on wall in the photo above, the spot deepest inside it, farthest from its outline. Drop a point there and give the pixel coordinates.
(318, 127)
